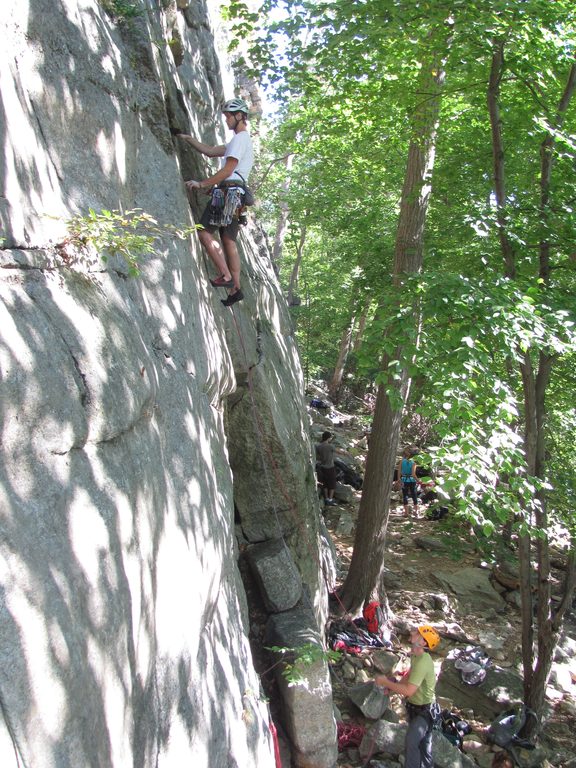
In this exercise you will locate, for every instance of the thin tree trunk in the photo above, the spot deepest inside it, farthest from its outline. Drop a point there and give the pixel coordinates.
(293, 284)
(345, 343)
(545, 626)
(361, 327)
(546, 164)
(493, 98)
(282, 223)
(364, 576)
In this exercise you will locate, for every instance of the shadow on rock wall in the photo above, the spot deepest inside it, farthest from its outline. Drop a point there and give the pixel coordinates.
(122, 628)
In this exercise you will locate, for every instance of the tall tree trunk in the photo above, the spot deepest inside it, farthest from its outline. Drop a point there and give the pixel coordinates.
(548, 621)
(293, 283)
(361, 327)
(546, 165)
(345, 343)
(493, 98)
(545, 625)
(349, 340)
(364, 576)
(282, 223)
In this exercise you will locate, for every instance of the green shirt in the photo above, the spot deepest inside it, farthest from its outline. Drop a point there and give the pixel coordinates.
(422, 674)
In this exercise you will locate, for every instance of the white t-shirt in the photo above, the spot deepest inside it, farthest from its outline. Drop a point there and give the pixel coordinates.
(240, 147)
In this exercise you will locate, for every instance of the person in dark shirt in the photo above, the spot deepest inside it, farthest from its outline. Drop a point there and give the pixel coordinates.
(326, 471)
(407, 475)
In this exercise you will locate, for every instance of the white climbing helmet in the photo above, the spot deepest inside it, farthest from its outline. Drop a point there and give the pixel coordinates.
(235, 105)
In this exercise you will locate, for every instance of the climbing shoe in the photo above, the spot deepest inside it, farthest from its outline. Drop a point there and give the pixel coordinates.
(233, 298)
(221, 282)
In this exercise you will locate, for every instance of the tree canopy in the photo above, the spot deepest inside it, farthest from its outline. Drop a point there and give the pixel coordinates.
(483, 326)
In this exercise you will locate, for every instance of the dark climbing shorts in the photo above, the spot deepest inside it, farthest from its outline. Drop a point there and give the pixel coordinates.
(327, 477)
(409, 490)
(231, 231)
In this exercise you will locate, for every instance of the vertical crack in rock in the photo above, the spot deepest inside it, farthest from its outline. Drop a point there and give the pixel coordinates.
(45, 140)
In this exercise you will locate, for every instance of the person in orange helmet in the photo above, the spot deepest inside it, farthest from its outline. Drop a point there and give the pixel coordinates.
(418, 687)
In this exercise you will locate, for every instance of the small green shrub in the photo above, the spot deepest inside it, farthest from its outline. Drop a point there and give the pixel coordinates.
(98, 235)
(121, 9)
(301, 657)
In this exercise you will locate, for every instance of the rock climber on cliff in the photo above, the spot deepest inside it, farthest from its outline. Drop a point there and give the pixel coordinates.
(227, 188)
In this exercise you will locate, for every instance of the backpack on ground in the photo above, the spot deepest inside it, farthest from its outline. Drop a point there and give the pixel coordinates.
(453, 727)
(436, 513)
(374, 617)
(472, 662)
(504, 730)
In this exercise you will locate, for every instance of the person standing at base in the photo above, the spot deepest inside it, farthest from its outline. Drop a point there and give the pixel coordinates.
(407, 476)
(231, 179)
(325, 453)
(419, 688)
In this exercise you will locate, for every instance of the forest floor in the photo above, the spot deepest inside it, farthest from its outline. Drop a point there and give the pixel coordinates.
(407, 603)
(411, 581)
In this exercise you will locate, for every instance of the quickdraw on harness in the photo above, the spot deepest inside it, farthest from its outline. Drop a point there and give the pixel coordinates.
(229, 201)
(226, 204)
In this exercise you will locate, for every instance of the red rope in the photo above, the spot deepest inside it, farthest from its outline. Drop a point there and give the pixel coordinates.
(274, 733)
(349, 735)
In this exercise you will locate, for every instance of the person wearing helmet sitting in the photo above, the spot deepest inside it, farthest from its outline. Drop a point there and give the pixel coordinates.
(419, 688)
(231, 179)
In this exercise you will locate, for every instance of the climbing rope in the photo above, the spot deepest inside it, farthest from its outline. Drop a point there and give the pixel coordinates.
(274, 733)
(349, 735)
(263, 442)
(20, 763)
(263, 445)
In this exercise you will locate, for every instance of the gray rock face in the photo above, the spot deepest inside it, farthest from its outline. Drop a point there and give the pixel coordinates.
(123, 619)
(370, 699)
(308, 697)
(276, 574)
(446, 755)
(499, 689)
(473, 588)
(384, 737)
